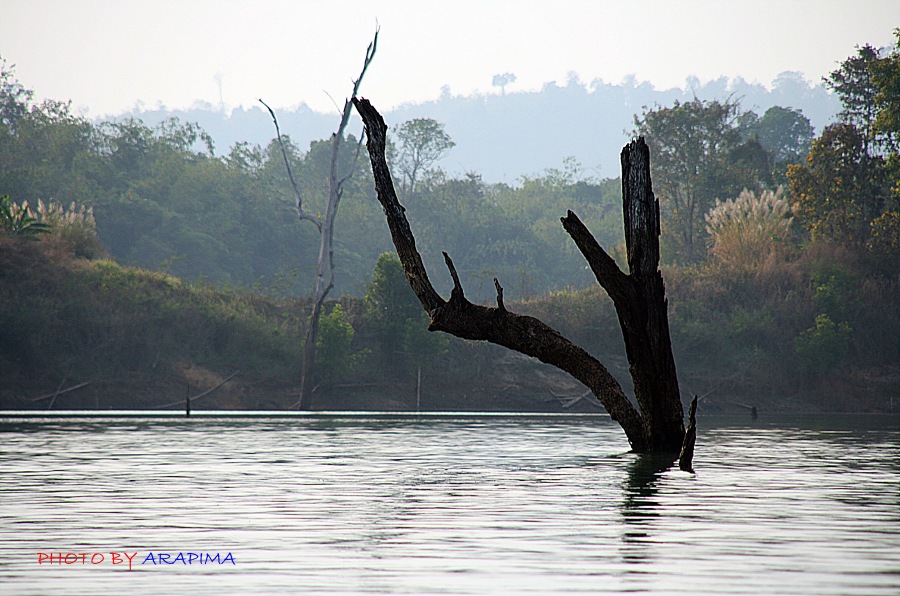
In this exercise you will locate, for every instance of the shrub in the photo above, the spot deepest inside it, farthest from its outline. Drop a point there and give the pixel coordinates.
(334, 346)
(836, 292)
(745, 230)
(19, 220)
(75, 228)
(824, 346)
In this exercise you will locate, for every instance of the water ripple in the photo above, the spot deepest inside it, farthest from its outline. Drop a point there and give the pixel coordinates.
(448, 506)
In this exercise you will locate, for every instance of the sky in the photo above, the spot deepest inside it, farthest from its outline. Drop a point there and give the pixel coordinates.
(111, 56)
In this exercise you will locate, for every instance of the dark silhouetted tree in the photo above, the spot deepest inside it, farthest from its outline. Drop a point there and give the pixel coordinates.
(639, 298)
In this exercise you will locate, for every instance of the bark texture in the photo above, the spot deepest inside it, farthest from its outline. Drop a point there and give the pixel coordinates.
(639, 299)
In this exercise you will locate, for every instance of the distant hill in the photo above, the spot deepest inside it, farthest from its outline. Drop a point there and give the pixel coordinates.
(505, 136)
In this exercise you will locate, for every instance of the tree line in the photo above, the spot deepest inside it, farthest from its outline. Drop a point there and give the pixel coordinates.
(775, 236)
(164, 198)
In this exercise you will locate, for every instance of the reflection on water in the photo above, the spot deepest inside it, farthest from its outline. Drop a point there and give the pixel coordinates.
(449, 505)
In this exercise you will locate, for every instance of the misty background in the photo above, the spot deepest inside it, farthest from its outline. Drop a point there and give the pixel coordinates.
(509, 134)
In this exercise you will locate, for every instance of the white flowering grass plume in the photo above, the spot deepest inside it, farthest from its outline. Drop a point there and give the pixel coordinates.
(744, 231)
(74, 228)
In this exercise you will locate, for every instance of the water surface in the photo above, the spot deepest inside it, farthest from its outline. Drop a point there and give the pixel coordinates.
(454, 504)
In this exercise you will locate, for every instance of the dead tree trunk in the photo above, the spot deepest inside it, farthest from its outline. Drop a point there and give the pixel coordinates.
(325, 225)
(639, 298)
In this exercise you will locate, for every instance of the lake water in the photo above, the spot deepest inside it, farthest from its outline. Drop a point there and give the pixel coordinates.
(451, 504)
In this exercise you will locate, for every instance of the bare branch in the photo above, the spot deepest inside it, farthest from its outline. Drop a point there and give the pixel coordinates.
(334, 103)
(685, 460)
(325, 267)
(359, 145)
(608, 274)
(457, 291)
(204, 394)
(303, 215)
(60, 391)
(499, 295)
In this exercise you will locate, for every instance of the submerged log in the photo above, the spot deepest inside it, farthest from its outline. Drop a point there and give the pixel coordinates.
(639, 298)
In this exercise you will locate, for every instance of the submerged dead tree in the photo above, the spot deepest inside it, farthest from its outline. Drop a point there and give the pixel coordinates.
(657, 424)
(325, 225)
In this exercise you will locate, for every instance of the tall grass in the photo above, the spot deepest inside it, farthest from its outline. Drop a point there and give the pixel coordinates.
(746, 230)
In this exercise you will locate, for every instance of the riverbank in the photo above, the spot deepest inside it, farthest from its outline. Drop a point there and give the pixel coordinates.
(83, 333)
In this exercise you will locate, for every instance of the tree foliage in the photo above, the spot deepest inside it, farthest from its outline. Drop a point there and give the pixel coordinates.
(841, 188)
(854, 83)
(786, 134)
(698, 156)
(502, 80)
(397, 320)
(823, 346)
(886, 78)
(421, 142)
(848, 190)
(335, 358)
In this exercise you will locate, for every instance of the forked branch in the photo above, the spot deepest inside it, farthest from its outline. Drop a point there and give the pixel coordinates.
(457, 316)
(287, 165)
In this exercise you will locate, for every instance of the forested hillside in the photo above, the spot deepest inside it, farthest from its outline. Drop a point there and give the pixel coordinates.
(781, 250)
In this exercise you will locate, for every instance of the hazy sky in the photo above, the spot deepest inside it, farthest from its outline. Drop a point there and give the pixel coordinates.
(108, 55)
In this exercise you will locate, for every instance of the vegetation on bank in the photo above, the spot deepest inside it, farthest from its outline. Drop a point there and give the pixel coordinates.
(67, 319)
(172, 267)
(810, 332)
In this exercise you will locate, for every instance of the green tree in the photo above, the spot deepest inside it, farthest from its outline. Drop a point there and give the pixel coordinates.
(398, 321)
(886, 78)
(823, 347)
(421, 142)
(840, 189)
(15, 99)
(854, 83)
(748, 165)
(885, 236)
(502, 80)
(693, 145)
(45, 150)
(786, 134)
(390, 301)
(335, 359)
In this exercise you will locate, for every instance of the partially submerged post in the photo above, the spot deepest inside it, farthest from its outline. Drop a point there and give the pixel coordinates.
(686, 459)
(639, 298)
